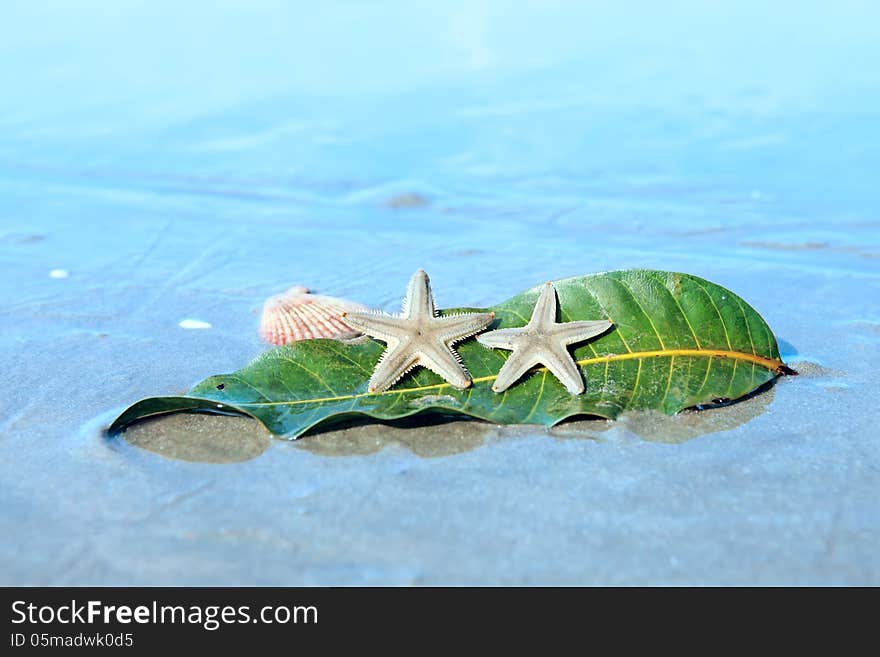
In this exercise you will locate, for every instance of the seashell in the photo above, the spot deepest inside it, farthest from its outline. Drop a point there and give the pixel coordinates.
(300, 315)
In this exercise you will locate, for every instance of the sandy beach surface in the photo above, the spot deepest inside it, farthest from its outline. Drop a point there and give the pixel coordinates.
(162, 164)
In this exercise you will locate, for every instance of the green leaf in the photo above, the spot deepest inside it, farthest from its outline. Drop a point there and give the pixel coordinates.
(678, 341)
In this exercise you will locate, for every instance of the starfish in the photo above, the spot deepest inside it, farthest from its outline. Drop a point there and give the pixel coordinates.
(418, 336)
(542, 341)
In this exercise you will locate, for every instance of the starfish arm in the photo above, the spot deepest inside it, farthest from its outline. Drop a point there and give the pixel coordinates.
(563, 367)
(382, 326)
(445, 362)
(572, 332)
(393, 364)
(419, 299)
(517, 364)
(499, 338)
(545, 308)
(452, 328)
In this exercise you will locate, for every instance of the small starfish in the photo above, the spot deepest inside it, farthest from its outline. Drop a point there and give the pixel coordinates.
(418, 336)
(542, 341)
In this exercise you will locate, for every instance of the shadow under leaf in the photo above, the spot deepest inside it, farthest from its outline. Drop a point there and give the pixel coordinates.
(209, 438)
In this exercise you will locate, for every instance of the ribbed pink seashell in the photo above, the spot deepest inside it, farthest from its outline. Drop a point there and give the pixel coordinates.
(299, 315)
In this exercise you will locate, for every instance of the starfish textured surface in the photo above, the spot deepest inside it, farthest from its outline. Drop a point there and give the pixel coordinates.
(543, 341)
(418, 337)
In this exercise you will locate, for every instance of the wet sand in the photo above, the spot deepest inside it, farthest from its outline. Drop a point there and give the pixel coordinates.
(152, 190)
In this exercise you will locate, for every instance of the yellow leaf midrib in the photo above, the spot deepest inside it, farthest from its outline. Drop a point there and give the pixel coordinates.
(769, 363)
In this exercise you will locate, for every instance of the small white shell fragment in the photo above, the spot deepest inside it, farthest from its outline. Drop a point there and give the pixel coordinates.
(193, 324)
(59, 273)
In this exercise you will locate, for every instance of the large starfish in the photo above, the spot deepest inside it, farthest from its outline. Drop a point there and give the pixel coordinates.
(418, 337)
(542, 341)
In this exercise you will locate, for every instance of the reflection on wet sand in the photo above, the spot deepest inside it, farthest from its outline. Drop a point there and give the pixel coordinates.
(228, 439)
(206, 438)
(200, 437)
(424, 435)
(654, 426)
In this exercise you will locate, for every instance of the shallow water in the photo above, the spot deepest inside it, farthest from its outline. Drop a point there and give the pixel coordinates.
(187, 169)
